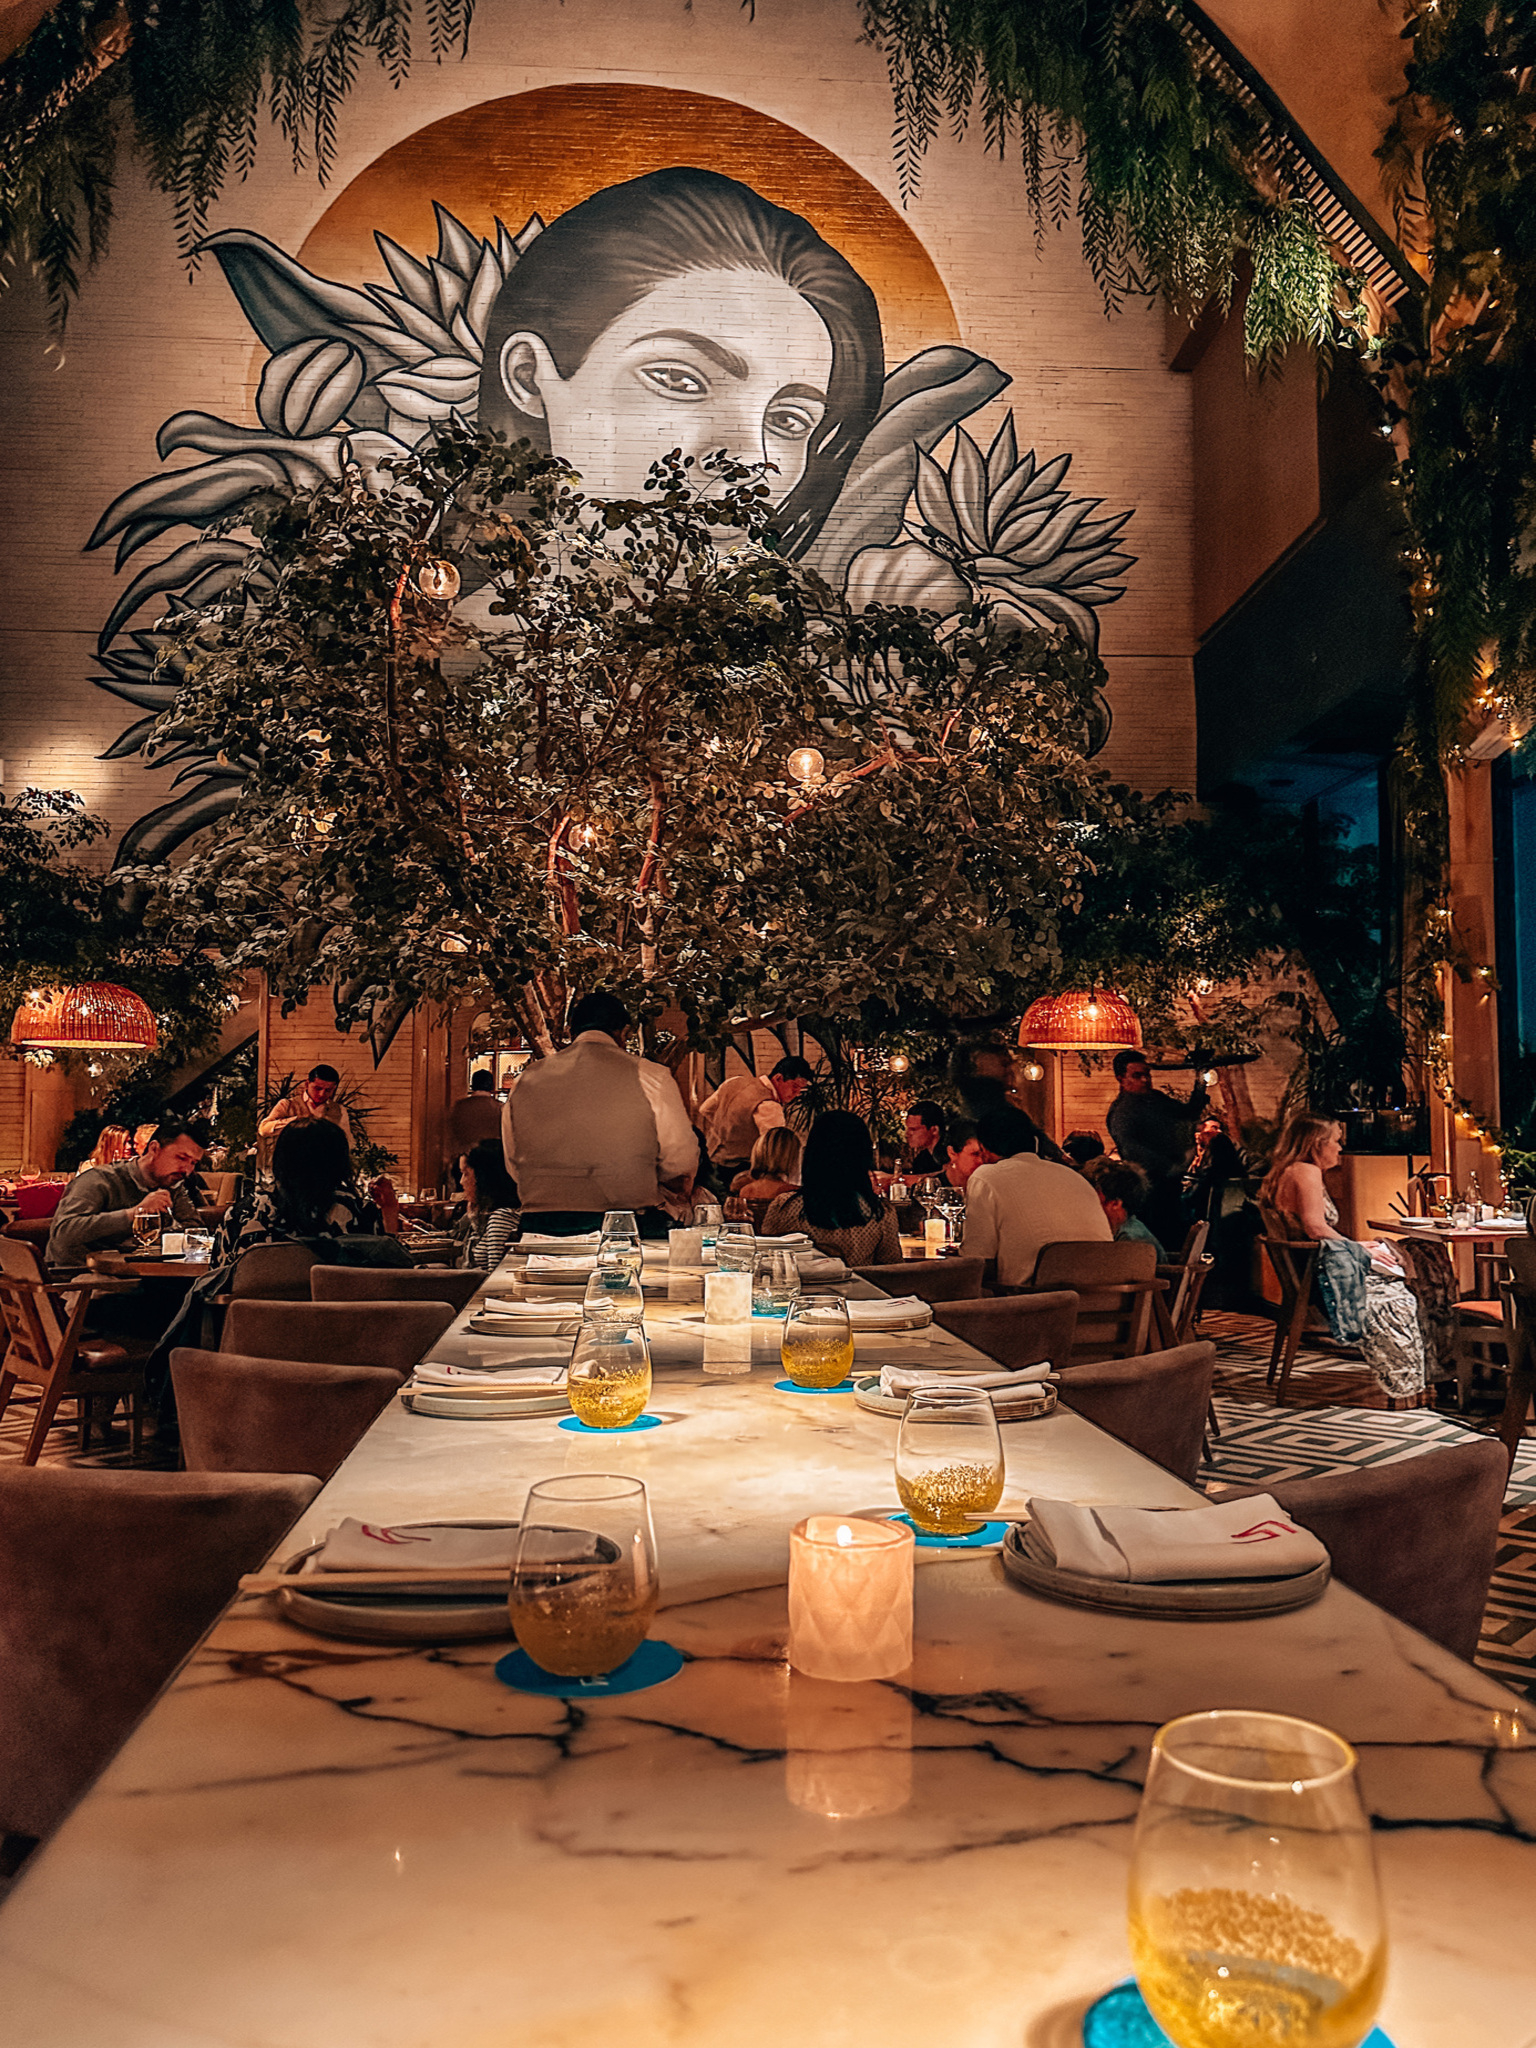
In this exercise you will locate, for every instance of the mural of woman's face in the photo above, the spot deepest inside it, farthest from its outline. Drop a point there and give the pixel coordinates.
(731, 359)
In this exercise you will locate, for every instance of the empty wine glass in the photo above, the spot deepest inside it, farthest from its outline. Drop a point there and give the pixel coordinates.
(707, 1219)
(949, 1460)
(736, 1249)
(613, 1292)
(584, 1585)
(608, 1380)
(775, 1282)
(817, 1346)
(1255, 1912)
(620, 1227)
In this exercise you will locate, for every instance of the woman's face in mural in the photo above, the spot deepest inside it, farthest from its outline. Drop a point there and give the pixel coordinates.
(731, 359)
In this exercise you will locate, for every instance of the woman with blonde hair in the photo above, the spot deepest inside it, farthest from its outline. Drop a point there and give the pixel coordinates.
(773, 1170)
(1364, 1295)
(111, 1148)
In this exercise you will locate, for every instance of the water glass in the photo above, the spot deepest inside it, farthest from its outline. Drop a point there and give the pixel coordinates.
(621, 1223)
(608, 1380)
(817, 1347)
(775, 1282)
(1255, 1911)
(707, 1218)
(736, 1252)
(949, 1460)
(584, 1586)
(199, 1244)
(614, 1293)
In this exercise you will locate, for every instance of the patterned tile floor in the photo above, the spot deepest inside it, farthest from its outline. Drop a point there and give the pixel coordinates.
(1334, 1418)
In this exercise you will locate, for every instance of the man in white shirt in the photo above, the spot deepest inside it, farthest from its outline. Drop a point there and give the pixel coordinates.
(593, 1128)
(1022, 1202)
(741, 1109)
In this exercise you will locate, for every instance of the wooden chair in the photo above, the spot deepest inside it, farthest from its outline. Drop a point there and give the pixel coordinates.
(1115, 1285)
(49, 1348)
(273, 1414)
(1186, 1276)
(391, 1334)
(928, 1279)
(1157, 1402)
(1015, 1329)
(1293, 1261)
(1417, 1536)
(458, 1285)
(110, 1579)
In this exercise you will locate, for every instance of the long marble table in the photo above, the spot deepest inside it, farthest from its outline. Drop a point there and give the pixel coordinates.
(310, 1843)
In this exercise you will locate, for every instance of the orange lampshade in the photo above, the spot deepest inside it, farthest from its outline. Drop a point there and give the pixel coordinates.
(97, 1016)
(1081, 1021)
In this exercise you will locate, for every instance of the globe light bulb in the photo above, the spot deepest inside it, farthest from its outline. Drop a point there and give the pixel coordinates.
(439, 580)
(805, 764)
(899, 1063)
(1033, 1071)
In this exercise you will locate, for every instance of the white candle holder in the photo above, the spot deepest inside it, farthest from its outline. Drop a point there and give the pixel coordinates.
(850, 1597)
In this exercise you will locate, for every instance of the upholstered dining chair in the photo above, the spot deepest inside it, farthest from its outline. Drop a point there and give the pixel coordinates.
(1418, 1536)
(392, 1334)
(928, 1279)
(1114, 1283)
(241, 1414)
(1156, 1402)
(48, 1348)
(110, 1579)
(458, 1285)
(1015, 1329)
(272, 1272)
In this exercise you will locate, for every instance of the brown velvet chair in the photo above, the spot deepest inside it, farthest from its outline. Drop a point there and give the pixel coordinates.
(1015, 1329)
(1114, 1283)
(391, 1334)
(928, 1279)
(272, 1272)
(273, 1414)
(110, 1579)
(1418, 1536)
(1156, 1402)
(396, 1283)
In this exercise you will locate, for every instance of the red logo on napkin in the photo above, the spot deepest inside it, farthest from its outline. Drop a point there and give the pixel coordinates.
(392, 1535)
(1263, 1532)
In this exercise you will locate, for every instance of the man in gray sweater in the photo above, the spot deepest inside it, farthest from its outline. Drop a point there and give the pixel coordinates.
(99, 1206)
(593, 1128)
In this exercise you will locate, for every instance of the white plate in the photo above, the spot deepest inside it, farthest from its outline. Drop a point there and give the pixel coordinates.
(381, 1618)
(1180, 1600)
(1026, 1404)
(489, 1407)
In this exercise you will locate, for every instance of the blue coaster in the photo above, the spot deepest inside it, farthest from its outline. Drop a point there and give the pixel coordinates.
(973, 1539)
(1120, 2020)
(789, 1387)
(652, 1664)
(624, 1429)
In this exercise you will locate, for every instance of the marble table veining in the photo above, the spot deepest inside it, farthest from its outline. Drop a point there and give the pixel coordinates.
(311, 1843)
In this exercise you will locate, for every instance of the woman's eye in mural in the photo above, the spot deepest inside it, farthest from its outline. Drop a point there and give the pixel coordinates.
(675, 380)
(794, 419)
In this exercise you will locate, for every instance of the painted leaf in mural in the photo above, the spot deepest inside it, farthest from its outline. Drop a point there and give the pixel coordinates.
(680, 310)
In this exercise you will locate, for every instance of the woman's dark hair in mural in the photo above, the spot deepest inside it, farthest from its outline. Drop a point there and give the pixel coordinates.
(592, 264)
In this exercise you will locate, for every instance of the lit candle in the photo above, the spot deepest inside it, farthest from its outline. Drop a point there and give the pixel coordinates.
(850, 1597)
(685, 1265)
(935, 1234)
(727, 1297)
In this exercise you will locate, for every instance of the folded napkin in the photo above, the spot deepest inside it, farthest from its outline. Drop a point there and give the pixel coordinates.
(541, 1241)
(431, 1374)
(913, 1379)
(1235, 1539)
(544, 1319)
(541, 1266)
(792, 1241)
(373, 1547)
(889, 1313)
(820, 1266)
(514, 1309)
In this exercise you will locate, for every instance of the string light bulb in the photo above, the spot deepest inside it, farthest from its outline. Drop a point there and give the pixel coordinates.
(806, 765)
(899, 1063)
(1033, 1071)
(438, 580)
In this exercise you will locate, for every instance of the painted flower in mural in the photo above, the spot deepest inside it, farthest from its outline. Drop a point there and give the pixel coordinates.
(680, 310)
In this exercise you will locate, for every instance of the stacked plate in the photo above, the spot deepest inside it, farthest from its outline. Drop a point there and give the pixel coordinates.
(454, 1612)
(527, 1386)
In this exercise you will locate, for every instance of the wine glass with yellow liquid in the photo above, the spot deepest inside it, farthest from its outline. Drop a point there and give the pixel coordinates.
(1255, 1912)
(949, 1460)
(817, 1346)
(608, 1380)
(584, 1586)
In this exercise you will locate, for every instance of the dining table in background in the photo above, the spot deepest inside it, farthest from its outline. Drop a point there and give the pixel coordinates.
(310, 1841)
(1464, 1241)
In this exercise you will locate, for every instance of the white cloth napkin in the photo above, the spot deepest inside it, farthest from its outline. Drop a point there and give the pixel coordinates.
(541, 1241)
(547, 1319)
(374, 1547)
(1235, 1539)
(514, 1309)
(541, 1266)
(816, 1265)
(912, 1379)
(888, 1314)
(431, 1374)
(792, 1241)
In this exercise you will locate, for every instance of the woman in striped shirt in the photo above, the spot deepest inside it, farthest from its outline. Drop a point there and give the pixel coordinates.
(492, 1216)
